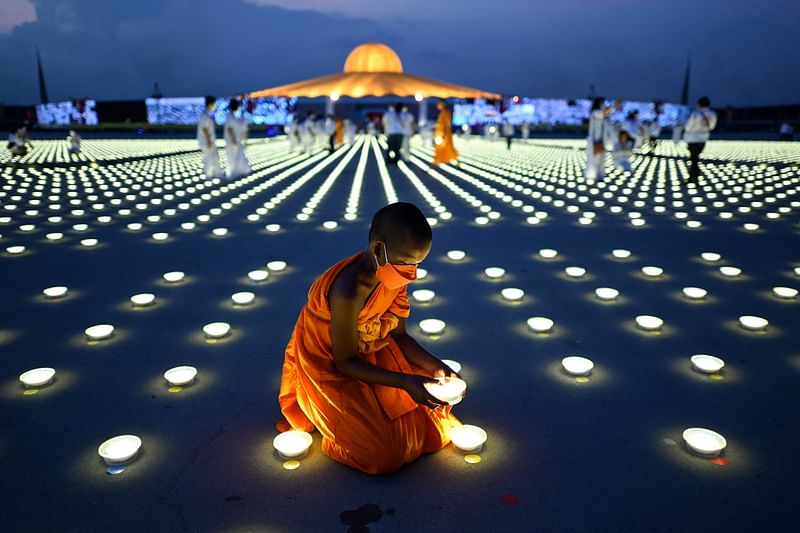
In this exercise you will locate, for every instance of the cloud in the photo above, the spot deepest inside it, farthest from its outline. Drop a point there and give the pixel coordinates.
(550, 48)
(15, 12)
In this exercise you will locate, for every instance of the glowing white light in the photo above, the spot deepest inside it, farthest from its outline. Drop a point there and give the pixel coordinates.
(432, 326)
(55, 292)
(15, 250)
(276, 266)
(120, 449)
(273, 228)
(160, 236)
(540, 324)
(54, 236)
(753, 323)
(548, 253)
(784, 292)
(494, 272)
(512, 294)
(38, 377)
(449, 391)
(694, 293)
(707, 363)
(711, 257)
(575, 271)
(180, 375)
(421, 273)
(174, 277)
(292, 444)
(652, 271)
(621, 253)
(418, 97)
(606, 293)
(456, 255)
(99, 331)
(468, 438)
(704, 441)
(216, 330)
(751, 226)
(243, 298)
(142, 300)
(649, 322)
(219, 232)
(188, 226)
(455, 366)
(730, 271)
(423, 295)
(258, 275)
(577, 365)
(330, 224)
(135, 226)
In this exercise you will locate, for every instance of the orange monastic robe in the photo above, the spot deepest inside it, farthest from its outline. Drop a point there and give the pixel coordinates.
(339, 132)
(370, 427)
(443, 139)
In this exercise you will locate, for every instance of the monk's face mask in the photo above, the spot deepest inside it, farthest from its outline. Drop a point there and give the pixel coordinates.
(394, 276)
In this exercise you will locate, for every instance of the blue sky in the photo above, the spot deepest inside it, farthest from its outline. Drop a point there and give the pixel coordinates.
(744, 52)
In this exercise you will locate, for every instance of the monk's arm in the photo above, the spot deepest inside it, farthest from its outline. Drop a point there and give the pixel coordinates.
(416, 354)
(345, 306)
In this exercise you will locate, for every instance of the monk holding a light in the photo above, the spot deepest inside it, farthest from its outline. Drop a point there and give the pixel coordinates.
(443, 137)
(352, 371)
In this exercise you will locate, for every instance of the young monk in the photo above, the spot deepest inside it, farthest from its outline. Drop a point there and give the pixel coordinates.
(352, 371)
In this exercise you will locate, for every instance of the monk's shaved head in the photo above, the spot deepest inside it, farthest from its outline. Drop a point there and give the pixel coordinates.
(400, 223)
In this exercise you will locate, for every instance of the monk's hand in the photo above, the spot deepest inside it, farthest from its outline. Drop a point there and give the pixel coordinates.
(414, 385)
(444, 372)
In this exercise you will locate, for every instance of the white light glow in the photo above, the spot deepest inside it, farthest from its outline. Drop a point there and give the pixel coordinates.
(787, 293)
(540, 324)
(55, 292)
(142, 300)
(99, 331)
(577, 365)
(243, 298)
(711, 257)
(652, 271)
(15, 250)
(219, 232)
(38, 377)
(575, 271)
(292, 444)
(273, 228)
(606, 293)
(512, 294)
(753, 323)
(421, 273)
(432, 326)
(694, 293)
(456, 255)
(621, 253)
(276, 266)
(258, 275)
(216, 330)
(494, 272)
(704, 441)
(330, 224)
(707, 363)
(450, 390)
(423, 295)
(174, 277)
(455, 366)
(160, 236)
(468, 438)
(730, 271)
(649, 322)
(180, 375)
(548, 253)
(120, 449)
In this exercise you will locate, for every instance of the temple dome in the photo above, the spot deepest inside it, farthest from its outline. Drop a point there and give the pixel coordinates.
(373, 57)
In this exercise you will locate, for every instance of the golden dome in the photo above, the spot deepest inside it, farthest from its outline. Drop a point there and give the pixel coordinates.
(373, 57)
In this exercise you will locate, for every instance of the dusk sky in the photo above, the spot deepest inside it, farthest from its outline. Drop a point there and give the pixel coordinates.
(744, 52)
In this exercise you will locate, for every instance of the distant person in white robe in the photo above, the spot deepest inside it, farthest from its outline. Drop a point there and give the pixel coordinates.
(292, 133)
(19, 142)
(426, 130)
(74, 142)
(696, 134)
(235, 138)
(525, 130)
(409, 124)
(307, 133)
(349, 132)
(632, 126)
(595, 141)
(207, 140)
(623, 149)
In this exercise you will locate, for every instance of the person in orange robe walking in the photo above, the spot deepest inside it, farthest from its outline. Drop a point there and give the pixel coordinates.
(443, 137)
(352, 371)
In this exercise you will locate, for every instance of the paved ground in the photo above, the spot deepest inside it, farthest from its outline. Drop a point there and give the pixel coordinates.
(562, 455)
